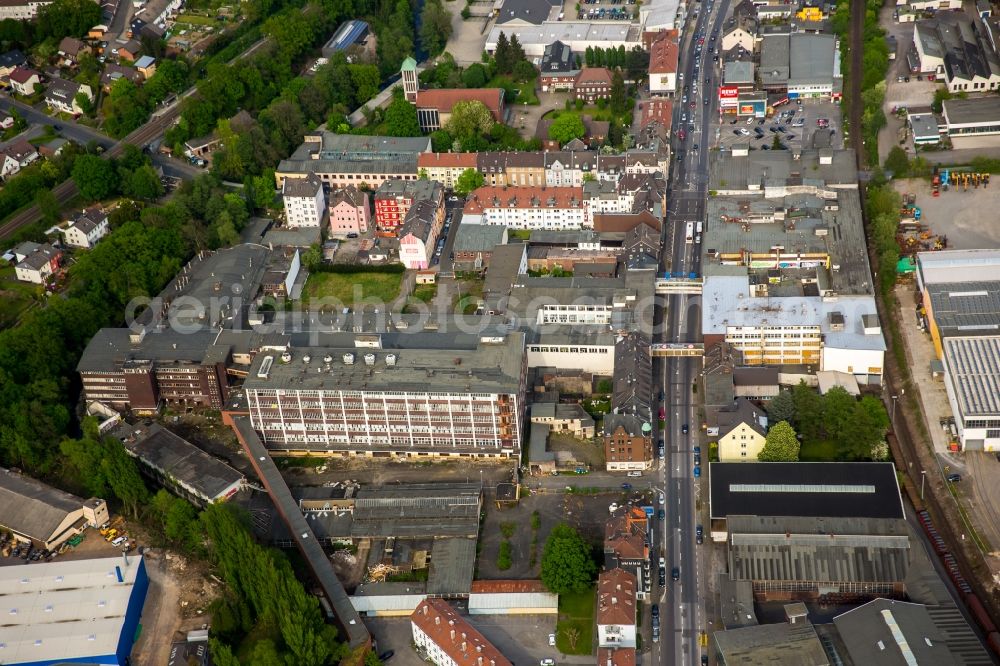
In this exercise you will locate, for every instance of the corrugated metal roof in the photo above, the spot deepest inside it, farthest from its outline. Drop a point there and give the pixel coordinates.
(510, 600)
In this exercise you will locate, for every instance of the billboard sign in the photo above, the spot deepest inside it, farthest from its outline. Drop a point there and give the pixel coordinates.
(728, 92)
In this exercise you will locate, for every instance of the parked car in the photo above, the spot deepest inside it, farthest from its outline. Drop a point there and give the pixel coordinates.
(954, 478)
(626, 486)
(552, 639)
(697, 472)
(635, 474)
(699, 534)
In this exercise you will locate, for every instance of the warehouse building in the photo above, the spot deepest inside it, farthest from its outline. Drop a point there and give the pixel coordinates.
(364, 401)
(180, 465)
(782, 644)
(512, 597)
(960, 293)
(971, 117)
(45, 516)
(972, 380)
(885, 631)
(445, 638)
(346, 159)
(818, 490)
(79, 611)
(801, 65)
(819, 559)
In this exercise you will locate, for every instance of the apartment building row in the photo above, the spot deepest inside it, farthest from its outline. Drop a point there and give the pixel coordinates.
(563, 208)
(556, 168)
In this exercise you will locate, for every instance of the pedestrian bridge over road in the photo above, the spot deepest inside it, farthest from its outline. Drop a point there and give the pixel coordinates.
(678, 285)
(677, 349)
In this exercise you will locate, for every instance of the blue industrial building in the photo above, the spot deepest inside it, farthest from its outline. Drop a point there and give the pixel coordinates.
(71, 612)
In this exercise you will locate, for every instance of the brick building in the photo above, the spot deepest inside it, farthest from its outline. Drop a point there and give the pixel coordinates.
(445, 638)
(394, 198)
(592, 84)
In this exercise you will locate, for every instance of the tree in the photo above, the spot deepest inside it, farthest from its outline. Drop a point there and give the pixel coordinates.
(839, 409)
(469, 118)
(85, 103)
(566, 127)
(468, 180)
(47, 205)
(617, 95)
(781, 444)
(808, 411)
(66, 18)
(435, 27)
(502, 55)
(897, 162)
(401, 117)
(781, 407)
(95, 178)
(524, 71)
(776, 143)
(566, 562)
(516, 51)
(142, 183)
(474, 76)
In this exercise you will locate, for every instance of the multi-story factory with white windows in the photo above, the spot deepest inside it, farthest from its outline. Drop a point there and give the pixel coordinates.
(404, 402)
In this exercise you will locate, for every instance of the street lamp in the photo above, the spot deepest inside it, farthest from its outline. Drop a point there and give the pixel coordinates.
(923, 477)
(892, 417)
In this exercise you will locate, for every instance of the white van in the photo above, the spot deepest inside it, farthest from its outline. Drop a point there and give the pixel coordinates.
(635, 473)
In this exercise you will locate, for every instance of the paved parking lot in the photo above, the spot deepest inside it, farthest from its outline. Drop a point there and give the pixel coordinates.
(798, 120)
(613, 10)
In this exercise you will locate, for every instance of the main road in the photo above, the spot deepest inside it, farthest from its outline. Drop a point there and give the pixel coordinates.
(682, 613)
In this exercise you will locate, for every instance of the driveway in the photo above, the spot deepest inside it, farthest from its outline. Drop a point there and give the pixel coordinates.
(468, 37)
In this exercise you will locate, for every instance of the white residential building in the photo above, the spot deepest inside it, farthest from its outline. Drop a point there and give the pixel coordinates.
(88, 228)
(305, 202)
(445, 638)
(21, 10)
(528, 208)
(616, 590)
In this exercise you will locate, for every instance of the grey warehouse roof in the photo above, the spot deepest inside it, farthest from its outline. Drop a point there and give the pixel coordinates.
(887, 632)
(974, 370)
(176, 457)
(818, 550)
(33, 508)
(972, 111)
(965, 307)
(857, 489)
(781, 644)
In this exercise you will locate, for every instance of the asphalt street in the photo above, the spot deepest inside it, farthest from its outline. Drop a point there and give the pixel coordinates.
(681, 613)
(82, 134)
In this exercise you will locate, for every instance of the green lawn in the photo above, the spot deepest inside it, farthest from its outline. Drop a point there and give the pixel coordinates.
(351, 288)
(576, 615)
(195, 19)
(818, 451)
(425, 292)
(15, 296)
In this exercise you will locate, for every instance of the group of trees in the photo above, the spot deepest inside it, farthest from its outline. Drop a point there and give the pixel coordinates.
(875, 62)
(883, 206)
(635, 61)
(567, 563)
(509, 59)
(468, 181)
(35, 182)
(128, 106)
(131, 175)
(263, 595)
(855, 427)
(61, 18)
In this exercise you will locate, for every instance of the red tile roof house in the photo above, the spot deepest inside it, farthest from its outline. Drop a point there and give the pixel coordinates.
(434, 106)
(24, 79)
(592, 84)
(616, 609)
(443, 637)
(616, 657)
(663, 53)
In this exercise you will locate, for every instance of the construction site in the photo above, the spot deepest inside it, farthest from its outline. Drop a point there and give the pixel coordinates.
(946, 213)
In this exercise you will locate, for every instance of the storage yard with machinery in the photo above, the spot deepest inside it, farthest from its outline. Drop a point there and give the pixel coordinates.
(953, 218)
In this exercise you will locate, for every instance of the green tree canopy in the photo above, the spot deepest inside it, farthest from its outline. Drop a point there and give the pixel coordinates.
(435, 27)
(567, 565)
(475, 76)
(95, 178)
(808, 411)
(897, 162)
(781, 407)
(401, 117)
(566, 127)
(469, 118)
(469, 180)
(616, 97)
(781, 444)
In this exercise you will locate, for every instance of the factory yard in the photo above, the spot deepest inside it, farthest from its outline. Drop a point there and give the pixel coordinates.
(957, 215)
